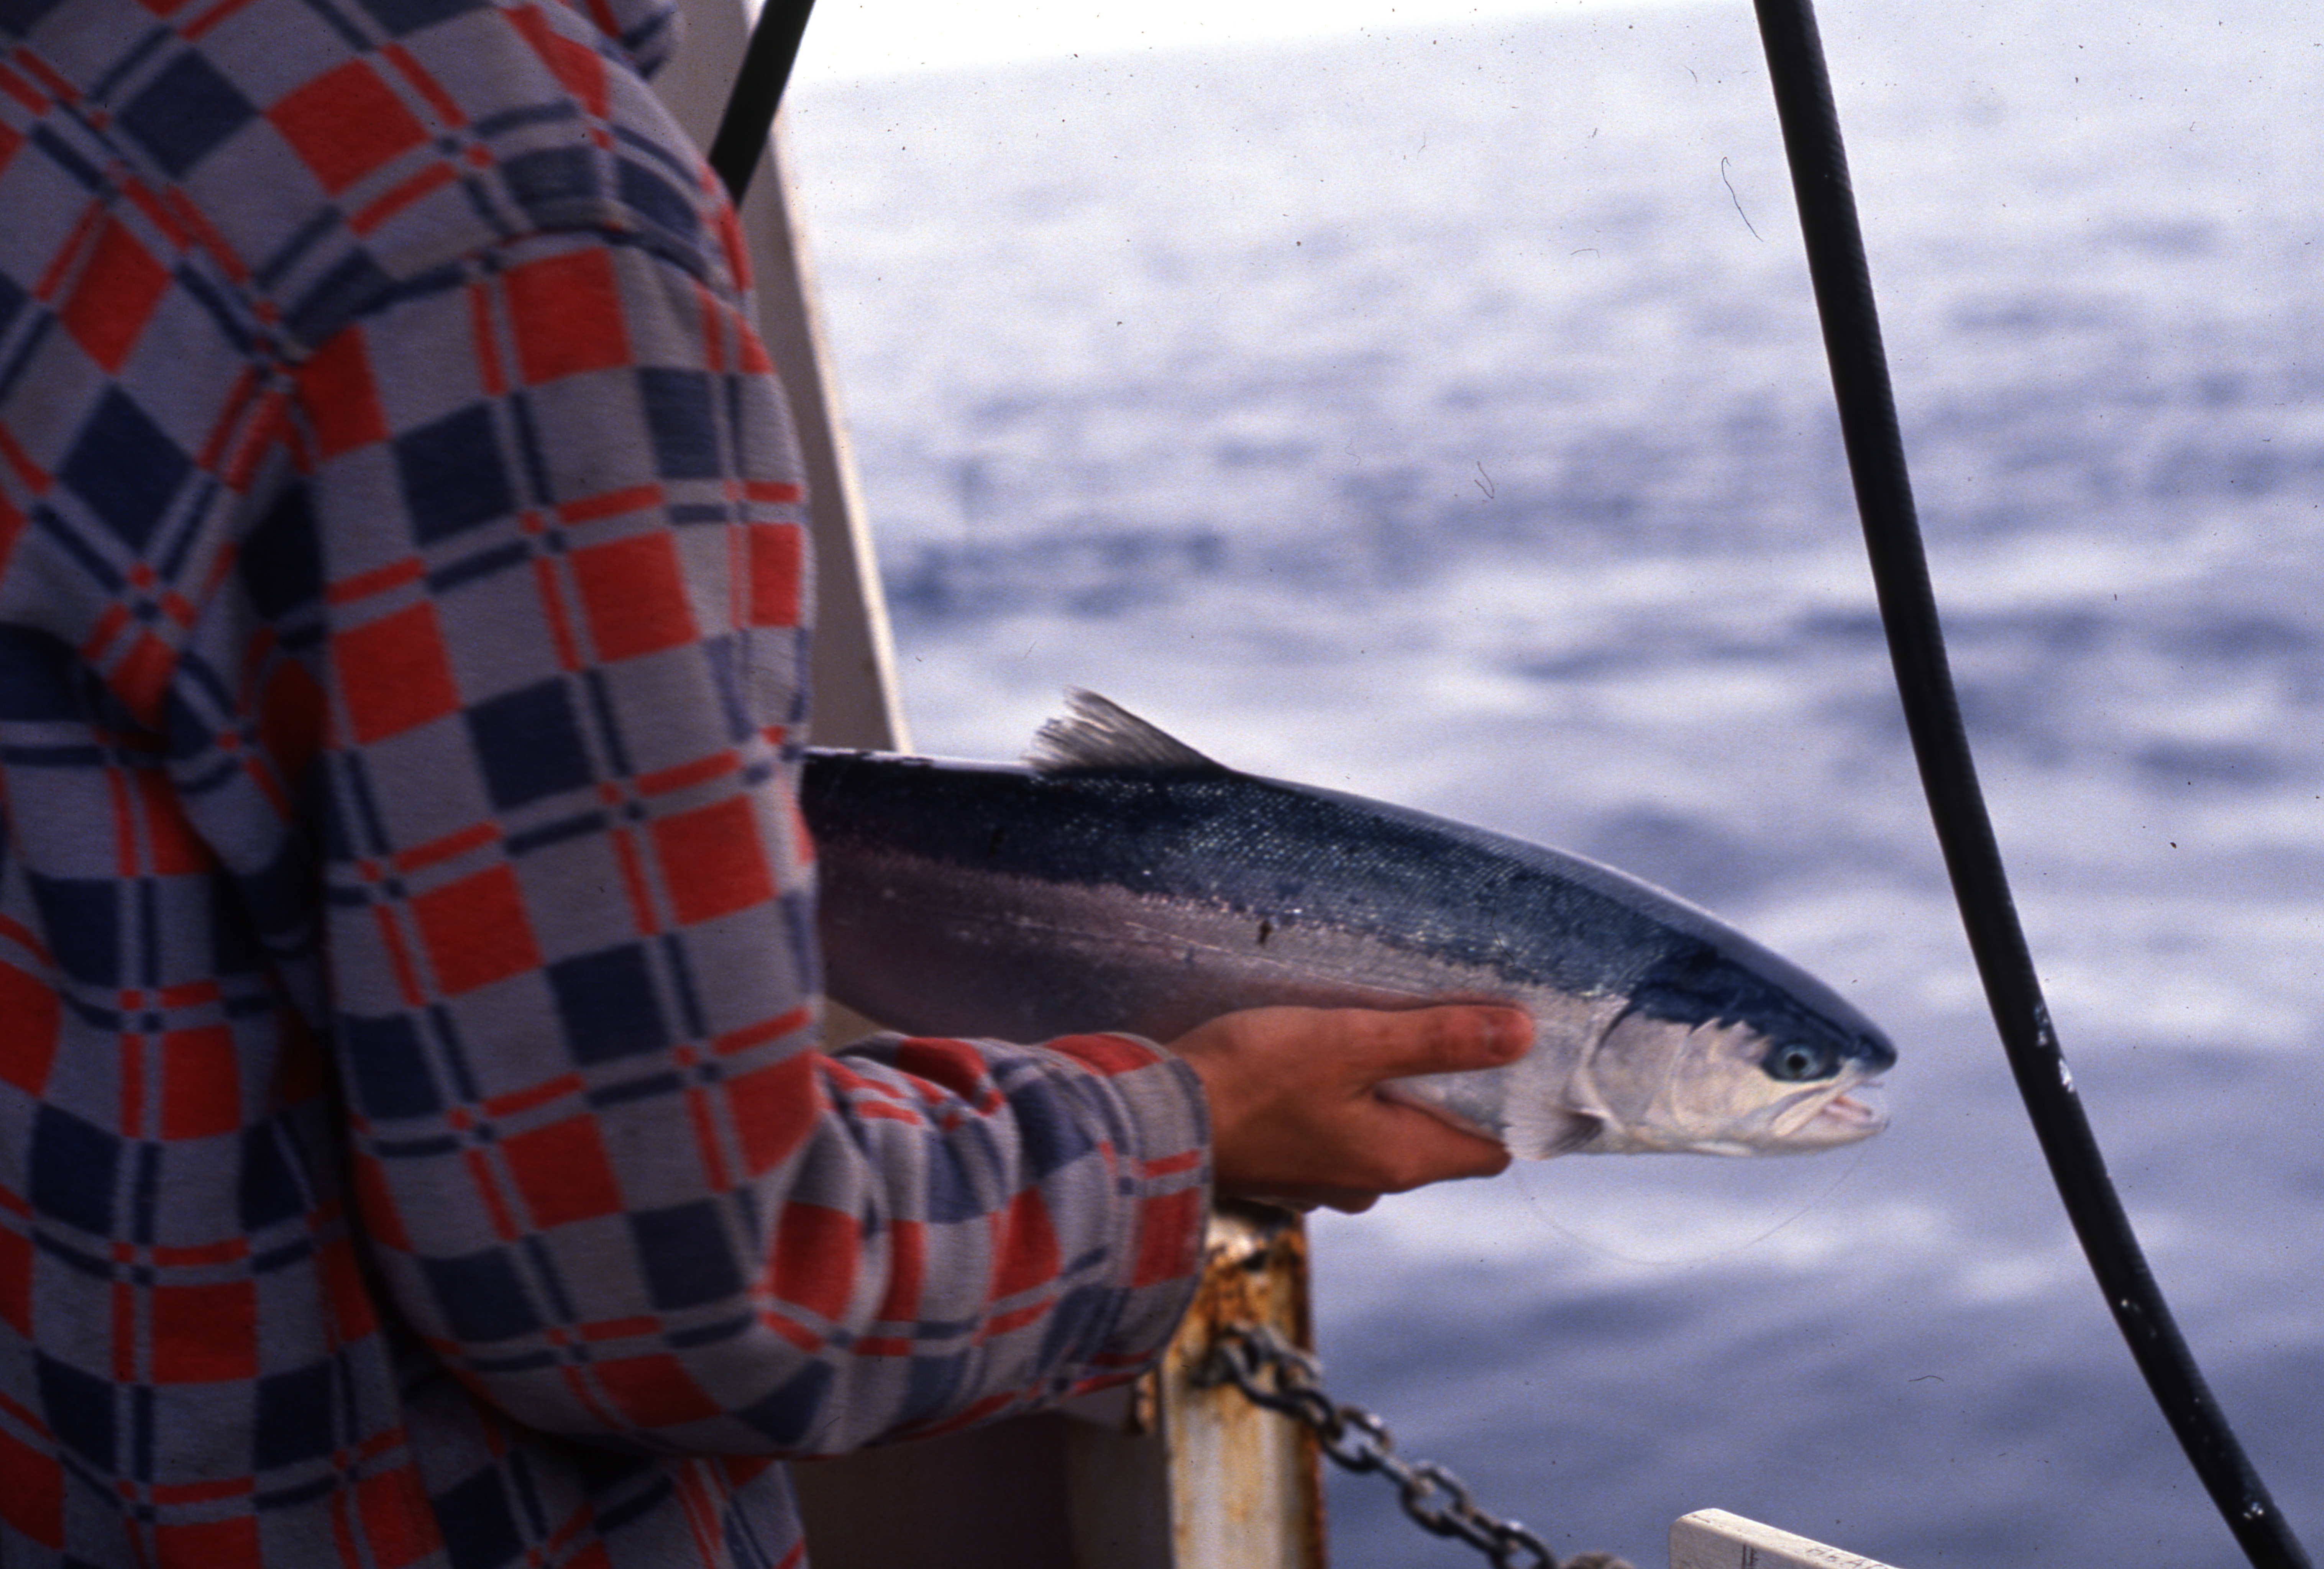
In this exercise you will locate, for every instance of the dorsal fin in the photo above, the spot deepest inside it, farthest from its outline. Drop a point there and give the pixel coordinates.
(1093, 734)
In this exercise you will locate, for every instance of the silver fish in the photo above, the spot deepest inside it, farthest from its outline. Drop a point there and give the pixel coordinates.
(1123, 881)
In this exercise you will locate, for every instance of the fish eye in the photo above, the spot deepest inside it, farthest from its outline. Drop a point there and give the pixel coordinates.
(1796, 1062)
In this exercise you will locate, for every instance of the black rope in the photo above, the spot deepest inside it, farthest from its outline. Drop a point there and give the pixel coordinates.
(1884, 499)
(757, 92)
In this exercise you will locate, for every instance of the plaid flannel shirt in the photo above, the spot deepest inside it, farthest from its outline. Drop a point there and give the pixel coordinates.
(414, 1147)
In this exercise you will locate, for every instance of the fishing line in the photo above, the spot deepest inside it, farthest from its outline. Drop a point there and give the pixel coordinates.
(1875, 460)
(1527, 1176)
(750, 116)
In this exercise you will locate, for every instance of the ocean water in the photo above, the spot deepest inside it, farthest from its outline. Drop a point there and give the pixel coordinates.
(1439, 414)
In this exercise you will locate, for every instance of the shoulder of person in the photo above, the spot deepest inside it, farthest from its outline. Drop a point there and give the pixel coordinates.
(318, 162)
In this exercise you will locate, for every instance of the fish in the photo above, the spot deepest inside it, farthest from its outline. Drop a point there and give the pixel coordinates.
(1119, 880)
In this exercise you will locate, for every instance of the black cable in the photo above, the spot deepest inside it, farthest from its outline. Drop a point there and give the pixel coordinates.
(750, 116)
(1884, 499)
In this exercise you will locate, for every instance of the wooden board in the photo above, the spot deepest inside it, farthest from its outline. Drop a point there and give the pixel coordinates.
(1715, 1539)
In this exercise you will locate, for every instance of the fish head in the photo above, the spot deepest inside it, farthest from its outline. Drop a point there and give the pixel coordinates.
(1734, 1053)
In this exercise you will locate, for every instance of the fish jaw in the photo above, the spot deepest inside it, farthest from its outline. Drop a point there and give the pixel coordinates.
(1844, 1114)
(1665, 1084)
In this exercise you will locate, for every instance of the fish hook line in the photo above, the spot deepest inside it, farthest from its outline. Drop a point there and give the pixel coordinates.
(1588, 1243)
(1876, 460)
(1737, 199)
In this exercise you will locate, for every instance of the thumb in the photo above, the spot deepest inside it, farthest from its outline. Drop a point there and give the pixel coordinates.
(1451, 1039)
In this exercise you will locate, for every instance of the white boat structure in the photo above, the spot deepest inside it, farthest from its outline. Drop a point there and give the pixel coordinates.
(1168, 1472)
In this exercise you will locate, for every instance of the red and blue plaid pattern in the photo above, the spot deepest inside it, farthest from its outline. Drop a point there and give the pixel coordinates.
(413, 1148)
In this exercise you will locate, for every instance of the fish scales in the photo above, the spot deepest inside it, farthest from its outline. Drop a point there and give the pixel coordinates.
(1126, 882)
(1275, 854)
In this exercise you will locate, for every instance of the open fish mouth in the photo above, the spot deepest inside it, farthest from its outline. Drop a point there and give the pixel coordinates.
(1826, 1119)
(1858, 1112)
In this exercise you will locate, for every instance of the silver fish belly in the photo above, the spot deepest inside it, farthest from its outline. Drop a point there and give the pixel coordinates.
(1123, 881)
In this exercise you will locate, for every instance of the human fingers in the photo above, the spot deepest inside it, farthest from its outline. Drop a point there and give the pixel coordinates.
(1409, 1147)
(1295, 1110)
(1378, 1148)
(1347, 1200)
(1332, 1149)
(1454, 1038)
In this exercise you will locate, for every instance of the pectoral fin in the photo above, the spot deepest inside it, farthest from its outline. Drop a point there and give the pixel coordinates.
(1541, 1133)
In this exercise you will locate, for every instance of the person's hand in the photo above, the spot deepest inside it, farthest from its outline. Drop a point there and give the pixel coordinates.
(1295, 1109)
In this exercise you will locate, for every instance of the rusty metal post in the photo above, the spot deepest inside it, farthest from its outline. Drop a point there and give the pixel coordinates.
(1159, 1475)
(1246, 1483)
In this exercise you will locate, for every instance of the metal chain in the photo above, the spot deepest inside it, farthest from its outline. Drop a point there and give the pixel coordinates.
(1282, 1378)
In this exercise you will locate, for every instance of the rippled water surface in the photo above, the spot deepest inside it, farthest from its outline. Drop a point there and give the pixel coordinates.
(1439, 416)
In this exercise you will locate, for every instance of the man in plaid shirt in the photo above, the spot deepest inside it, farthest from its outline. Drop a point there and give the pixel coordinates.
(414, 1143)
